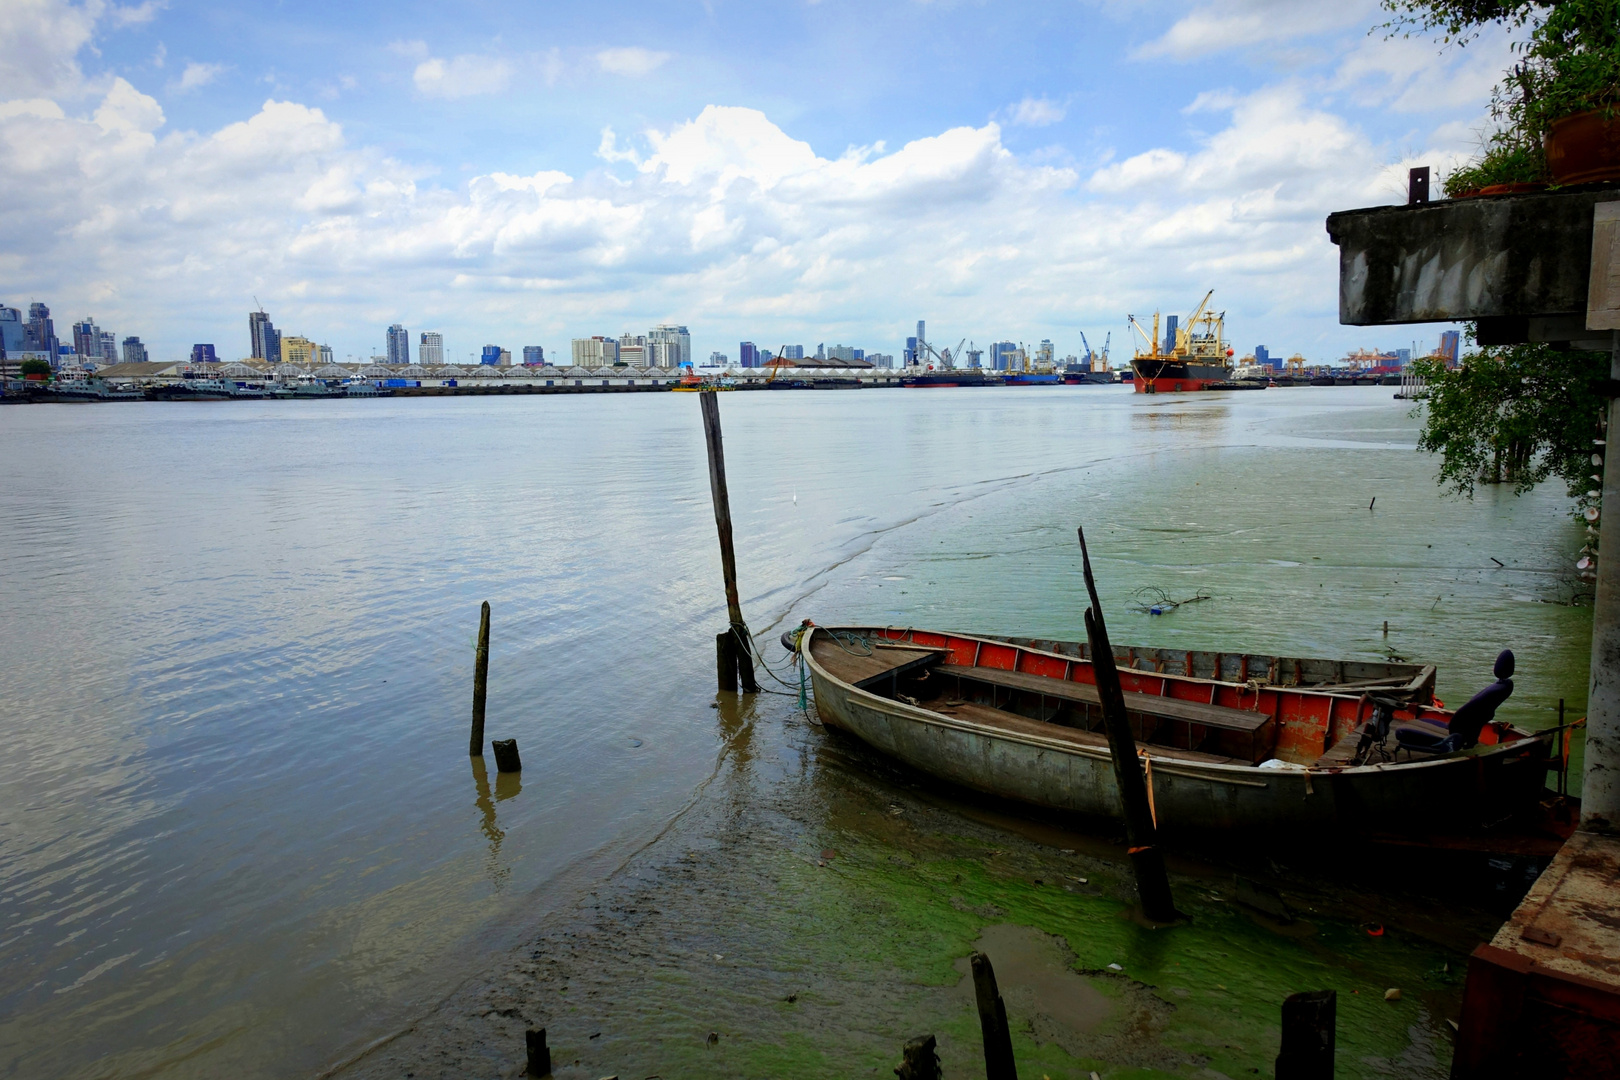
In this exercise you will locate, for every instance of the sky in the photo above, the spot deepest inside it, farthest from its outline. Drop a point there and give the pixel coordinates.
(786, 173)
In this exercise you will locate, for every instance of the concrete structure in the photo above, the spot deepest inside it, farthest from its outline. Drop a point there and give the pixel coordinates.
(533, 356)
(298, 350)
(399, 345)
(430, 351)
(598, 351)
(134, 351)
(39, 332)
(1544, 997)
(203, 354)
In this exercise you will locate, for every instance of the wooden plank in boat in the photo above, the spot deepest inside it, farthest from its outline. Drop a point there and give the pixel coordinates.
(862, 670)
(1011, 721)
(1216, 716)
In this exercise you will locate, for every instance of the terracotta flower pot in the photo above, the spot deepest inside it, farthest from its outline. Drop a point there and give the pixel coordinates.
(1584, 148)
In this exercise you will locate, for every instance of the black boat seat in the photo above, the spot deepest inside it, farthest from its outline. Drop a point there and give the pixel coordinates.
(1217, 716)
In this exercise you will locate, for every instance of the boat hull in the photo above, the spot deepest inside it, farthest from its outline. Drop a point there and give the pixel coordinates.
(1456, 794)
(1167, 376)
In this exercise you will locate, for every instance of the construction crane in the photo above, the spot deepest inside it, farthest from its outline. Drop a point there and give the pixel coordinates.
(1107, 340)
(947, 359)
(775, 364)
(1091, 357)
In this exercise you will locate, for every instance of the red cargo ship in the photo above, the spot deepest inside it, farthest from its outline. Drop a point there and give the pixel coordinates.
(1191, 357)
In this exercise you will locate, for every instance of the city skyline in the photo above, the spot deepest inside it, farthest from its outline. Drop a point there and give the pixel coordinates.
(476, 185)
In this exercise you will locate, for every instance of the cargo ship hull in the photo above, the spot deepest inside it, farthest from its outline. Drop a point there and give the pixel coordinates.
(958, 377)
(1176, 376)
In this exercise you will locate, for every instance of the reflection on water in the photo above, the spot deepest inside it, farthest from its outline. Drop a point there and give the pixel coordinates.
(197, 880)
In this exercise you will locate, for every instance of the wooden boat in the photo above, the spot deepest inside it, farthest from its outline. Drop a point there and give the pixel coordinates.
(1231, 741)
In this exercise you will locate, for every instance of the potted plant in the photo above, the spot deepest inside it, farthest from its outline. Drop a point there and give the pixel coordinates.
(1559, 106)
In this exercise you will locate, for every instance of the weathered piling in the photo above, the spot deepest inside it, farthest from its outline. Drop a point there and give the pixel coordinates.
(1152, 883)
(1308, 1022)
(919, 1060)
(539, 1053)
(998, 1055)
(506, 756)
(735, 644)
(480, 683)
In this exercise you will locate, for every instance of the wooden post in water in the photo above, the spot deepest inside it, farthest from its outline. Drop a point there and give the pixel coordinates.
(480, 683)
(539, 1063)
(1308, 1022)
(1152, 883)
(742, 663)
(998, 1055)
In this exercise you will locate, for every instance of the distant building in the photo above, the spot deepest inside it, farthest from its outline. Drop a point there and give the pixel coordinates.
(325, 354)
(1045, 354)
(491, 356)
(1262, 356)
(793, 352)
(87, 338)
(534, 356)
(747, 355)
(1170, 323)
(1403, 357)
(975, 357)
(399, 345)
(13, 339)
(39, 332)
(266, 343)
(506, 358)
(203, 354)
(430, 351)
(922, 342)
(718, 359)
(595, 351)
(845, 352)
(298, 350)
(1449, 342)
(671, 345)
(134, 351)
(1001, 353)
(911, 351)
(882, 360)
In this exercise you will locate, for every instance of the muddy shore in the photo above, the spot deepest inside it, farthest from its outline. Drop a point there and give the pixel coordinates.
(815, 907)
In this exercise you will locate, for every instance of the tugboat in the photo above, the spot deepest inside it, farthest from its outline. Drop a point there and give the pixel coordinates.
(1195, 356)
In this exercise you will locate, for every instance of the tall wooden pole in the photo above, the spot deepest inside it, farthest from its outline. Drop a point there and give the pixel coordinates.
(728, 559)
(480, 682)
(998, 1055)
(1152, 883)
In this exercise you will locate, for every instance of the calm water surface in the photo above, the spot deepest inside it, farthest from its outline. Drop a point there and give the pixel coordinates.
(238, 829)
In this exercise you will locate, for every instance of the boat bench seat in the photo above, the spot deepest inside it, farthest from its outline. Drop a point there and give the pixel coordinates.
(1012, 722)
(1246, 721)
(879, 670)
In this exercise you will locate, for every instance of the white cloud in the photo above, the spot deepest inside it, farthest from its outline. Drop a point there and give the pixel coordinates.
(464, 76)
(130, 16)
(197, 75)
(42, 42)
(1234, 24)
(1036, 112)
(416, 50)
(633, 61)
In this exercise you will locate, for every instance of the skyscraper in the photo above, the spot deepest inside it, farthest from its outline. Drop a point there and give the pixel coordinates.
(109, 346)
(431, 350)
(204, 354)
(13, 339)
(747, 355)
(491, 356)
(40, 332)
(911, 351)
(134, 351)
(534, 356)
(1170, 322)
(922, 342)
(399, 345)
(265, 341)
(1262, 356)
(87, 339)
(325, 353)
(1448, 346)
(676, 342)
(793, 352)
(1001, 354)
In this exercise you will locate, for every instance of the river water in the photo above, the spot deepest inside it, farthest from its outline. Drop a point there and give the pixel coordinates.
(238, 831)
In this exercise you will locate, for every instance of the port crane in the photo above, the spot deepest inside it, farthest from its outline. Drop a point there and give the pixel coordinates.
(1092, 356)
(947, 358)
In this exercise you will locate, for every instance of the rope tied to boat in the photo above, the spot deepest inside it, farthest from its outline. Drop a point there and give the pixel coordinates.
(1147, 767)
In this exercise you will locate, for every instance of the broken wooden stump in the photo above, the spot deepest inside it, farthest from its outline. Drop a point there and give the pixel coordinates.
(1308, 1022)
(506, 755)
(998, 1055)
(919, 1060)
(539, 1053)
(741, 660)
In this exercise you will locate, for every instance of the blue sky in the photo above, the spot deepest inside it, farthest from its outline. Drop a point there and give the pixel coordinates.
(790, 172)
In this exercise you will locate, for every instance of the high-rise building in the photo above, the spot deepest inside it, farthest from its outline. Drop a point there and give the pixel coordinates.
(265, 340)
(534, 356)
(1002, 354)
(399, 345)
(793, 352)
(747, 355)
(204, 354)
(134, 351)
(1262, 356)
(910, 351)
(431, 349)
(882, 360)
(109, 346)
(718, 359)
(975, 358)
(1403, 357)
(1045, 354)
(922, 342)
(13, 339)
(299, 350)
(505, 359)
(676, 342)
(87, 339)
(844, 352)
(1449, 342)
(40, 332)
(1170, 322)
(491, 356)
(596, 351)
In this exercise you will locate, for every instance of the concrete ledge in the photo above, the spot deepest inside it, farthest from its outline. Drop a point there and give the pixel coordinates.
(1501, 256)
